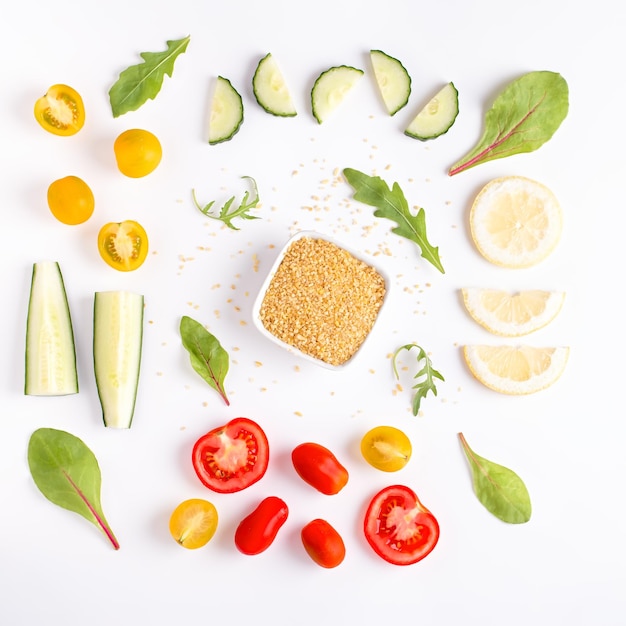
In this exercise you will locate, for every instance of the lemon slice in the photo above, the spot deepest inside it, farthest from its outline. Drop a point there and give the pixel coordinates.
(512, 314)
(515, 222)
(516, 370)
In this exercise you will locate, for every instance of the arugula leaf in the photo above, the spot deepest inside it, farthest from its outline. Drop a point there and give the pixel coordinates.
(66, 471)
(138, 83)
(500, 490)
(226, 215)
(391, 204)
(426, 374)
(207, 356)
(522, 118)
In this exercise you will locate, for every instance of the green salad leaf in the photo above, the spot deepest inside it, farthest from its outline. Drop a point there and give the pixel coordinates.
(500, 490)
(142, 82)
(227, 215)
(66, 471)
(391, 204)
(522, 118)
(426, 374)
(207, 356)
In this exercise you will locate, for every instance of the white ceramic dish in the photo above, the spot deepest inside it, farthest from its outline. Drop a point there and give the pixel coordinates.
(256, 317)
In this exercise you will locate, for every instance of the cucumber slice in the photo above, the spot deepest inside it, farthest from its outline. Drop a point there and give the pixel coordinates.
(270, 89)
(394, 82)
(50, 350)
(437, 117)
(117, 342)
(226, 114)
(331, 88)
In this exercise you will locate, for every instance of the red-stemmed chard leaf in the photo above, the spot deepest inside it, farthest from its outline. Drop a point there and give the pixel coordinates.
(66, 471)
(522, 118)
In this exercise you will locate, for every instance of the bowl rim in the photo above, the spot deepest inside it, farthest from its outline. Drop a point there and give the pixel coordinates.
(256, 307)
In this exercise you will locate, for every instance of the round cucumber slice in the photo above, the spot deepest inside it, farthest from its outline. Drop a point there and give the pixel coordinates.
(270, 88)
(226, 114)
(437, 117)
(331, 88)
(393, 80)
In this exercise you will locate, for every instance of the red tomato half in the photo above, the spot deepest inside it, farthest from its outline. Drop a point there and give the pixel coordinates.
(398, 527)
(231, 457)
(319, 467)
(257, 531)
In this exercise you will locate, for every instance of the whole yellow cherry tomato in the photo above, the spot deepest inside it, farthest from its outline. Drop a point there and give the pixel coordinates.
(60, 111)
(71, 200)
(137, 152)
(123, 245)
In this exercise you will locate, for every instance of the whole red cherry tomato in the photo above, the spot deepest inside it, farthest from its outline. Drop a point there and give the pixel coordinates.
(399, 527)
(231, 457)
(323, 543)
(257, 531)
(319, 467)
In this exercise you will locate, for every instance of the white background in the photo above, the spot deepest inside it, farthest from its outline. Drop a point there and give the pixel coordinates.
(563, 567)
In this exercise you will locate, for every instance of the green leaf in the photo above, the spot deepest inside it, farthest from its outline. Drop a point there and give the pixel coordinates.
(66, 471)
(207, 356)
(226, 215)
(426, 374)
(141, 82)
(522, 118)
(500, 490)
(391, 204)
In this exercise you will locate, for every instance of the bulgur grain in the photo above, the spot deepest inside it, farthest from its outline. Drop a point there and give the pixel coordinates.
(322, 300)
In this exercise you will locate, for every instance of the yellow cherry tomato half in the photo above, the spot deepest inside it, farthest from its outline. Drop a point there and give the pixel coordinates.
(60, 111)
(71, 200)
(137, 152)
(123, 245)
(386, 448)
(193, 523)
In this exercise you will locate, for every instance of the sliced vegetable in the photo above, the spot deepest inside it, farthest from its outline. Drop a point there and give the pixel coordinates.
(392, 204)
(226, 215)
(66, 472)
(226, 112)
(398, 527)
(425, 376)
(270, 88)
(392, 79)
(386, 448)
(50, 351)
(231, 457)
(323, 543)
(206, 354)
(60, 111)
(117, 345)
(521, 119)
(123, 245)
(500, 490)
(437, 117)
(142, 82)
(193, 523)
(331, 88)
(319, 467)
(257, 531)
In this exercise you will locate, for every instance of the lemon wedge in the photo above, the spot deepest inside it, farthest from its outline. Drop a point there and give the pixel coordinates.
(516, 370)
(512, 314)
(515, 222)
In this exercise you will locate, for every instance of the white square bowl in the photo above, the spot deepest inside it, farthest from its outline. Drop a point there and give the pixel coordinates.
(256, 309)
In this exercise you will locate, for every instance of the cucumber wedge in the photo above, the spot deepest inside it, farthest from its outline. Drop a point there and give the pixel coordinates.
(117, 342)
(437, 117)
(226, 113)
(270, 89)
(331, 88)
(50, 350)
(394, 82)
